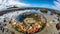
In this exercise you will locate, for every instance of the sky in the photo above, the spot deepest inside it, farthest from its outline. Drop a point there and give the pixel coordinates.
(53, 4)
(38, 2)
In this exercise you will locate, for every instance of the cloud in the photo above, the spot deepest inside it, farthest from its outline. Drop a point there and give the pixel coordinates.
(57, 4)
(58, 0)
(10, 3)
(4, 4)
(17, 3)
(43, 5)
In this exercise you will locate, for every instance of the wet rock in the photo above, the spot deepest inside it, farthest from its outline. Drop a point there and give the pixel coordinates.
(58, 26)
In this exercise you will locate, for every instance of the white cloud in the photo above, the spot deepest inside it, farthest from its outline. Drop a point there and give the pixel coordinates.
(58, 0)
(17, 3)
(41, 5)
(46, 5)
(0, 1)
(57, 4)
(10, 3)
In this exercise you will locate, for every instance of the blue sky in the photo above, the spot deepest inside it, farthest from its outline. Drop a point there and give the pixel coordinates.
(37, 2)
(54, 4)
(43, 3)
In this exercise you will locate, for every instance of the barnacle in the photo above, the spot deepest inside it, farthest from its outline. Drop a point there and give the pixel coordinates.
(29, 22)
